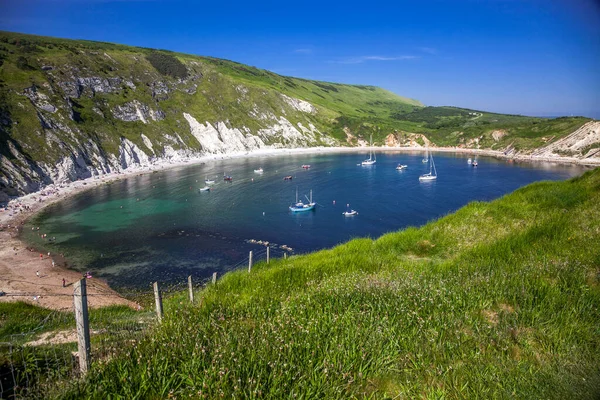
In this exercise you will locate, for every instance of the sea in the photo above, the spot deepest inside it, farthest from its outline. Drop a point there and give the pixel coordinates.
(160, 227)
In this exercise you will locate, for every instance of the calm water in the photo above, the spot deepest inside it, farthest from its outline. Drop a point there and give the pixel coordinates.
(159, 227)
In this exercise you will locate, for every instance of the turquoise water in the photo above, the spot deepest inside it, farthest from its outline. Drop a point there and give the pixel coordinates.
(160, 227)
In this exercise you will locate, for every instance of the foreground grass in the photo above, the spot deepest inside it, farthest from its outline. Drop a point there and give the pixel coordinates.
(499, 300)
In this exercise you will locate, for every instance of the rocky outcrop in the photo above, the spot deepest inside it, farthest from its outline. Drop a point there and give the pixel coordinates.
(90, 86)
(130, 154)
(584, 143)
(407, 140)
(299, 105)
(136, 111)
(39, 99)
(221, 139)
(498, 134)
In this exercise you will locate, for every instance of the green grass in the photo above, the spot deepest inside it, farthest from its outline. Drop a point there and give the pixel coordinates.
(361, 110)
(498, 300)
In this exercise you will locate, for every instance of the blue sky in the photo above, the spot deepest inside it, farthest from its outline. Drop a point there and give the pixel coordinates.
(527, 57)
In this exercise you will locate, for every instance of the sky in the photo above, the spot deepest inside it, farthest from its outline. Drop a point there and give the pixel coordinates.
(531, 57)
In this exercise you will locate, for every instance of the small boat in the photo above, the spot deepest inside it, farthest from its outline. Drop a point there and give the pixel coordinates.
(259, 171)
(306, 166)
(300, 206)
(469, 161)
(205, 189)
(401, 167)
(432, 175)
(474, 163)
(208, 181)
(287, 178)
(227, 178)
(370, 160)
(349, 212)
(426, 159)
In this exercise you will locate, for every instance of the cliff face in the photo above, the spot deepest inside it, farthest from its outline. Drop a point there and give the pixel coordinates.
(70, 112)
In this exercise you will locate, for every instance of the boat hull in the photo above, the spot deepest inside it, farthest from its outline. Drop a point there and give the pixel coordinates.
(302, 209)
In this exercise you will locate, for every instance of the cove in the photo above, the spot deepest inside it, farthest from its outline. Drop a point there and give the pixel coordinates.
(159, 227)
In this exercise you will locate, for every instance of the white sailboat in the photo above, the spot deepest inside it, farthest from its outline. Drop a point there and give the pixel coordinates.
(349, 212)
(432, 175)
(370, 160)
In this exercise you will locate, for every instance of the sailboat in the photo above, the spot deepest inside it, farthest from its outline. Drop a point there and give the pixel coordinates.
(349, 212)
(432, 175)
(370, 160)
(300, 206)
(424, 160)
(208, 181)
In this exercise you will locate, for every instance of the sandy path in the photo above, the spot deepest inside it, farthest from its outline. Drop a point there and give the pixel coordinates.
(19, 266)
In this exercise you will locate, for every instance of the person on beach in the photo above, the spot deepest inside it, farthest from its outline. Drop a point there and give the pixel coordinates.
(64, 282)
(38, 274)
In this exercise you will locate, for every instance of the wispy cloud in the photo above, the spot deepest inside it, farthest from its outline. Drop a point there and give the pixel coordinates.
(362, 59)
(428, 50)
(303, 51)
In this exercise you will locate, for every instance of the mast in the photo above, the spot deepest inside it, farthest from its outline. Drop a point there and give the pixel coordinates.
(432, 163)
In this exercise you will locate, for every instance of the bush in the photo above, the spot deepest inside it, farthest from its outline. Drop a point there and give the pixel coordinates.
(167, 64)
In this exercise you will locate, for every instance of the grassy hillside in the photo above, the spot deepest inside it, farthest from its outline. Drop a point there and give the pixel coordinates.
(214, 90)
(498, 300)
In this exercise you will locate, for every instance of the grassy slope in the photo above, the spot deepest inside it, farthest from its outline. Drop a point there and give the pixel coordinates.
(498, 300)
(363, 109)
(217, 98)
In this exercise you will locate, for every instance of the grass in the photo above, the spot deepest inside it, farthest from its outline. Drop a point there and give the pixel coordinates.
(226, 91)
(498, 300)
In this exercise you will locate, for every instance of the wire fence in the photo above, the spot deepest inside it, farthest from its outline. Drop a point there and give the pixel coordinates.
(40, 352)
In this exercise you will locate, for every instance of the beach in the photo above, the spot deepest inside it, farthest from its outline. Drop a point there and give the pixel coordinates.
(34, 277)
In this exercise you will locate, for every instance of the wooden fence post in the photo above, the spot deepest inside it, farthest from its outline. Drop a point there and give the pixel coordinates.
(83, 324)
(158, 301)
(250, 262)
(268, 253)
(285, 255)
(191, 289)
(214, 278)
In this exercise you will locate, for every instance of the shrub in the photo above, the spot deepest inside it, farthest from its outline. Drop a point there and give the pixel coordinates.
(167, 64)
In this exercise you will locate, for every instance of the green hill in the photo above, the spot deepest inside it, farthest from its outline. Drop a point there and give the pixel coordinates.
(499, 300)
(72, 109)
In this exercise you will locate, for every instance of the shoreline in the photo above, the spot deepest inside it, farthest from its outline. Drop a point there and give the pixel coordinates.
(19, 264)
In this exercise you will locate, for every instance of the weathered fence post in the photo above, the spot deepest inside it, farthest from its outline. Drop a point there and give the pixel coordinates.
(268, 253)
(83, 324)
(214, 278)
(250, 262)
(285, 255)
(191, 289)
(158, 301)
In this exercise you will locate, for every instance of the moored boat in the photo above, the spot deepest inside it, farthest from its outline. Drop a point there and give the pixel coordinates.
(349, 212)
(205, 189)
(401, 167)
(370, 160)
(299, 206)
(432, 175)
(287, 178)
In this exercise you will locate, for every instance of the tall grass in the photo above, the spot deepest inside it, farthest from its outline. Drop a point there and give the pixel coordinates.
(500, 300)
